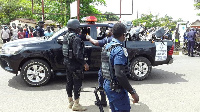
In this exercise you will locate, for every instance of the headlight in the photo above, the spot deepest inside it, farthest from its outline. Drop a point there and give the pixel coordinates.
(12, 50)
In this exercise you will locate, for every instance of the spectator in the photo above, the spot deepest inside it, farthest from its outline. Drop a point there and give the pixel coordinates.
(21, 34)
(26, 32)
(52, 29)
(58, 27)
(48, 32)
(30, 33)
(35, 32)
(15, 33)
(185, 35)
(5, 34)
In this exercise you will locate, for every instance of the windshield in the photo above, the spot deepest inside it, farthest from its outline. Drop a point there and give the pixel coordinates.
(58, 33)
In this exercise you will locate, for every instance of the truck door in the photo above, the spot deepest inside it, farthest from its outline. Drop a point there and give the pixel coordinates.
(92, 52)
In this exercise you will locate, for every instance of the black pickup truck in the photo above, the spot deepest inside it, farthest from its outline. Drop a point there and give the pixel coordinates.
(38, 59)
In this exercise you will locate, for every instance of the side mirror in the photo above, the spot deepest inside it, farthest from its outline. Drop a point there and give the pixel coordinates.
(60, 39)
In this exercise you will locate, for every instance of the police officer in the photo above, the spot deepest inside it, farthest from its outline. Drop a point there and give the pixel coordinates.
(73, 51)
(40, 28)
(101, 43)
(114, 59)
(191, 41)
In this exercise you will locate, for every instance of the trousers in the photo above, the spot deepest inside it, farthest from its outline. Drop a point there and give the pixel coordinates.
(190, 47)
(118, 101)
(6, 40)
(73, 84)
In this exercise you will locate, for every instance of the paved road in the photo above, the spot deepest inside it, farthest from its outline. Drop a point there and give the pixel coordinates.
(169, 88)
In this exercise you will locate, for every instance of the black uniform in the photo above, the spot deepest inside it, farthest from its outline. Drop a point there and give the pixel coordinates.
(41, 31)
(73, 51)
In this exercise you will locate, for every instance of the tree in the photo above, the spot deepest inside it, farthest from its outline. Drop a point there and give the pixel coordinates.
(110, 17)
(197, 6)
(10, 10)
(149, 20)
(168, 22)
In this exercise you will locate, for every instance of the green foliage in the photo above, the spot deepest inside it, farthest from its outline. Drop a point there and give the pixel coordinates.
(149, 20)
(59, 9)
(10, 10)
(110, 17)
(197, 6)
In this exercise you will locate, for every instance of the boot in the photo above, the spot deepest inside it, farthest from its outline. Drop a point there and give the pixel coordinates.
(71, 102)
(77, 106)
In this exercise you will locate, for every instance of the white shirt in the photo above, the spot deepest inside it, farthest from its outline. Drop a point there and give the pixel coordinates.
(15, 33)
(5, 33)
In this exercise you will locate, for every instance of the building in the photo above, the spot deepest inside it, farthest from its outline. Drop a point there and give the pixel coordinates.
(31, 22)
(195, 24)
(22, 21)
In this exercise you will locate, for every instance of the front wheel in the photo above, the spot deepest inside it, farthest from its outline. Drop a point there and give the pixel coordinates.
(36, 72)
(140, 68)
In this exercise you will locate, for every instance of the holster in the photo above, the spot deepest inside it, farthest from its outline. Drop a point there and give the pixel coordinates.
(114, 85)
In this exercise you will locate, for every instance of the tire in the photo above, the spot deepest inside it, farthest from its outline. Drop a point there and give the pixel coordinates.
(140, 63)
(36, 72)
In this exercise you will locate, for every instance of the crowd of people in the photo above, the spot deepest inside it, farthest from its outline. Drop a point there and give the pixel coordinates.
(10, 33)
(191, 37)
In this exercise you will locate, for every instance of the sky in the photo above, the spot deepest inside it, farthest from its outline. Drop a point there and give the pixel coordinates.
(175, 8)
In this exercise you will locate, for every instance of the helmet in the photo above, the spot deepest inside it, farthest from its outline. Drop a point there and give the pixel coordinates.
(73, 24)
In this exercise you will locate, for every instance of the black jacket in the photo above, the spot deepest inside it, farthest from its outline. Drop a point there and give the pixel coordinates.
(77, 46)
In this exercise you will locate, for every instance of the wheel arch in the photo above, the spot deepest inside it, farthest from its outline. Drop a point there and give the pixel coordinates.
(30, 58)
(143, 55)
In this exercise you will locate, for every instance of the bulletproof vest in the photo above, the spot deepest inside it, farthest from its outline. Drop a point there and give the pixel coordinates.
(106, 67)
(67, 45)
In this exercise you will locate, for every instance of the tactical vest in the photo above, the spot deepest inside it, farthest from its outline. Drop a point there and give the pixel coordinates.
(106, 67)
(67, 45)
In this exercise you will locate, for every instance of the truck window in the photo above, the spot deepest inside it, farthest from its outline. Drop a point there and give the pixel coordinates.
(101, 32)
(84, 31)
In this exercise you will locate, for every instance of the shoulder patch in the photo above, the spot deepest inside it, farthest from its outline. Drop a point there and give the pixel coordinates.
(125, 52)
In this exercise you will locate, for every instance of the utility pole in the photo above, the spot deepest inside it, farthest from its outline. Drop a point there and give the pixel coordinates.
(120, 8)
(78, 9)
(42, 10)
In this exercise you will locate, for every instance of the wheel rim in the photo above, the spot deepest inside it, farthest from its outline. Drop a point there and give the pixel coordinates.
(140, 69)
(35, 73)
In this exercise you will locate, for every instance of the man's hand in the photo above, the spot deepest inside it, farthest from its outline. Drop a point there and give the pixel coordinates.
(135, 98)
(88, 37)
(86, 67)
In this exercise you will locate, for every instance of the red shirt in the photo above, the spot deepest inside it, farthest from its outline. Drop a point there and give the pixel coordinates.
(21, 35)
(30, 35)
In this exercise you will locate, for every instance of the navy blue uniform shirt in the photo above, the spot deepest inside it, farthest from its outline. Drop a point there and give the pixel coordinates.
(105, 41)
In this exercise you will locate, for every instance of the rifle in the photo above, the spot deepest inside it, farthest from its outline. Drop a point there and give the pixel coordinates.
(98, 103)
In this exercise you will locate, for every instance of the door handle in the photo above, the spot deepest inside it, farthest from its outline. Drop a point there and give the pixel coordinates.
(87, 46)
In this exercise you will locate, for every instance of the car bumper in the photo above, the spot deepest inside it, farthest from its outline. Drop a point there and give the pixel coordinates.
(169, 60)
(10, 63)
